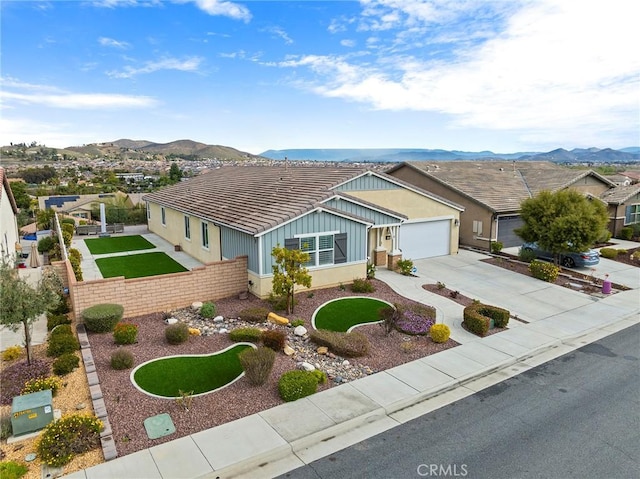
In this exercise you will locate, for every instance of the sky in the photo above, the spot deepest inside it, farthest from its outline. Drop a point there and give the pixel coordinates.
(471, 75)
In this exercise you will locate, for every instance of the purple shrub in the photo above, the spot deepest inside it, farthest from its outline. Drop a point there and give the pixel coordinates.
(14, 377)
(416, 321)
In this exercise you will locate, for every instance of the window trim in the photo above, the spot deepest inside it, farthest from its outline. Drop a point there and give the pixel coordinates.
(315, 253)
(163, 216)
(628, 215)
(204, 233)
(187, 227)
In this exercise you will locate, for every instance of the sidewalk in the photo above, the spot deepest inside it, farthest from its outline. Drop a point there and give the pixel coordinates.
(278, 440)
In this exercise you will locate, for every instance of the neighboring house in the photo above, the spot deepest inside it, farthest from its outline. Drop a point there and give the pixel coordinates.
(9, 235)
(79, 206)
(343, 217)
(492, 191)
(624, 207)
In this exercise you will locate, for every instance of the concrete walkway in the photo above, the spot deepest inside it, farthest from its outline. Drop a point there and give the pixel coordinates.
(278, 440)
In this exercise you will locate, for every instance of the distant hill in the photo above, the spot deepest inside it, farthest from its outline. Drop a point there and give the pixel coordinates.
(394, 155)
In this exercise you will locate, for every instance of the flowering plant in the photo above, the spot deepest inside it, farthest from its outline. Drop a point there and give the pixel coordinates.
(125, 333)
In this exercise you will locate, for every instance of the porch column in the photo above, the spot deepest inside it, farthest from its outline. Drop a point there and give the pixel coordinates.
(395, 255)
(380, 253)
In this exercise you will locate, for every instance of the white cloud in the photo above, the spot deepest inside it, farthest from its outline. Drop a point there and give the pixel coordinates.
(348, 43)
(110, 42)
(16, 92)
(188, 65)
(281, 33)
(226, 9)
(555, 65)
(54, 134)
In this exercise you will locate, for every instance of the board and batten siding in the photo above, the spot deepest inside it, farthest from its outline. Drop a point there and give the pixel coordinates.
(317, 222)
(368, 182)
(236, 243)
(376, 217)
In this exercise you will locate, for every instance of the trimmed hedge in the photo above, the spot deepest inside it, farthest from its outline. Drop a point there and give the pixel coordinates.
(477, 318)
(251, 335)
(54, 320)
(254, 315)
(65, 364)
(611, 253)
(349, 345)
(274, 339)
(60, 344)
(102, 318)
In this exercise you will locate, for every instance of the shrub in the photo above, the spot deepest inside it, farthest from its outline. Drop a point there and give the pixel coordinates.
(62, 306)
(6, 428)
(320, 376)
(278, 302)
(273, 339)
(13, 377)
(62, 330)
(297, 322)
(626, 233)
(636, 255)
(177, 333)
(405, 266)
(254, 315)
(68, 221)
(544, 271)
(441, 285)
(439, 333)
(121, 359)
(62, 343)
(54, 320)
(12, 353)
(61, 440)
(526, 255)
(610, 253)
(65, 364)
(371, 270)
(75, 258)
(125, 333)
(361, 285)
(297, 384)
(496, 247)
(45, 244)
(351, 344)
(414, 319)
(41, 384)
(604, 237)
(12, 470)
(102, 318)
(477, 317)
(251, 335)
(257, 364)
(208, 310)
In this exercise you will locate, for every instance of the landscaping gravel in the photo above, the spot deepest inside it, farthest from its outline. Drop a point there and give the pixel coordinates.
(128, 408)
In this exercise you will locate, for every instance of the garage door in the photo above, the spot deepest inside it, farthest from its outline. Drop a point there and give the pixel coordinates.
(425, 240)
(506, 225)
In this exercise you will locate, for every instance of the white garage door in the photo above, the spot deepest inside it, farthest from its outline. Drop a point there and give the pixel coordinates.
(425, 240)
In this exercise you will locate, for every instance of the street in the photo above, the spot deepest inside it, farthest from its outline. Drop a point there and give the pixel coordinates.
(576, 416)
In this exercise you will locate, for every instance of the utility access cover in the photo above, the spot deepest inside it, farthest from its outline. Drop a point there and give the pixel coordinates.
(159, 426)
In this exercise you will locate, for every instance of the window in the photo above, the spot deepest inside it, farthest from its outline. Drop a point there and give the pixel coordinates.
(323, 249)
(163, 216)
(477, 227)
(205, 235)
(148, 211)
(632, 215)
(187, 228)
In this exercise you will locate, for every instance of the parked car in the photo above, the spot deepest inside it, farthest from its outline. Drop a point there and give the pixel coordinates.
(570, 260)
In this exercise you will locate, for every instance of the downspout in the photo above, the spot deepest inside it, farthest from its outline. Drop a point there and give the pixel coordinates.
(493, 218)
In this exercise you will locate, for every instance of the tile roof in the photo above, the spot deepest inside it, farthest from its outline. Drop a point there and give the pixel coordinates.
(501, 185)
(254, 199)
(620, 194)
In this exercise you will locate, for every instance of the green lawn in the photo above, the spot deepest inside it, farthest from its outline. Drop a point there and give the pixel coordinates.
(138, 265)
(343, 314)
(117, 244)
(201, 374)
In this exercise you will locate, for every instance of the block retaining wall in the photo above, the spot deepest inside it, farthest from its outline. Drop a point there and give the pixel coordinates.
(152, 294)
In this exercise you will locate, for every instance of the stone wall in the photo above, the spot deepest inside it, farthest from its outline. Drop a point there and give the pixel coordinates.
(152, 294)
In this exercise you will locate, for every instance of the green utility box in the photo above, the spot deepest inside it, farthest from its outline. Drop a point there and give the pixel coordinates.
(31, 412)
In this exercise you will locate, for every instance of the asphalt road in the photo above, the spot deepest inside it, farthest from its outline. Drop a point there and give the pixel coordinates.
(575, 417)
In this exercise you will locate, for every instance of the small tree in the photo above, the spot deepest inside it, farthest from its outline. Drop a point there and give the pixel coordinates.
(288, 271)
(22, 303)
(565, 221)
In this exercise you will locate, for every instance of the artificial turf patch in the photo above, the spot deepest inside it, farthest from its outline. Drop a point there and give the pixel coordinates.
(138, 265)
(166, 377)
(117, 244)
(342, 314)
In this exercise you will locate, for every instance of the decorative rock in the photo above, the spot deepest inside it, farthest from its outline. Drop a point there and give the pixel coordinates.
(218, 319)
(306, 366)
(30, 457)
(322, 350)
(80, 406)
(288, 350)
(196, 305)
(274, 318)
(345, 363)
(171, 320)
(300, 331)
(338, 379)
(223, 331)
(194, 332)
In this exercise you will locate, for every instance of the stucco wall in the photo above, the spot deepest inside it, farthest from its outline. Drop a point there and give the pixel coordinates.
(321, 278)
(9, 231)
